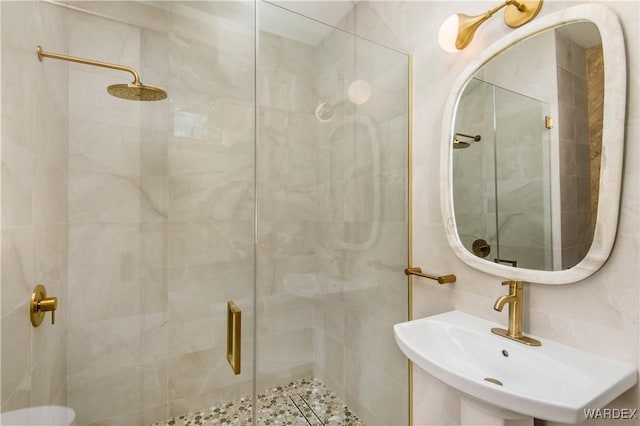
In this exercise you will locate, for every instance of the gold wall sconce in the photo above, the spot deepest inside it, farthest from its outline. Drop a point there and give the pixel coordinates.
(457, 31)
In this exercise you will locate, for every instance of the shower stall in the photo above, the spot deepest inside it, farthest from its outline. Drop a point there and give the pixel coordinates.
(234, 251)
(503, 179)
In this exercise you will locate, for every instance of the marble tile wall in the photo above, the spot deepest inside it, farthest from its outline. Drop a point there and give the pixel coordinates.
(34, 226)
(523, 217)
(524, 222)
(286, 255)
(149, 207)
(474, 168)
(210, 168)
(177, 231)
(117, 242)
(361, 230)
(598, 314)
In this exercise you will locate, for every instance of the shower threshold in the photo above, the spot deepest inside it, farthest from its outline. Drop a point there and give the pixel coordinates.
(306, 402)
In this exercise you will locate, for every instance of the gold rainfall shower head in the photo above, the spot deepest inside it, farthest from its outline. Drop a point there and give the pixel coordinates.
(134, 91)
(458, 144)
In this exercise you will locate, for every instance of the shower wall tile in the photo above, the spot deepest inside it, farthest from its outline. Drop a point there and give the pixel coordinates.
(50, 374)
(21, 398)
(207, 197)
(361, 228)
(206, 371)
(34, 203)
(216, 73)
(105, 40)
(126, 389)
(283, 353)
(201, 244)
(286, 253)
(371, 395)
(49, 193)
(111, 344)
(101, 285)
(98, 147)
(197, 302)
(17, 184)
(137, 417)
(87, 206)
(17, 266)
(16, 350)
(214, 157)
(328, 363)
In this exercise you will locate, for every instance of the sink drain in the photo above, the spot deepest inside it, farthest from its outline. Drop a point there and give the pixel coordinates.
(494, 381)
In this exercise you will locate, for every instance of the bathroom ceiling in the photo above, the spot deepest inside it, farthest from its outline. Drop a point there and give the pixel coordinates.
(292, 27)
(272, 18)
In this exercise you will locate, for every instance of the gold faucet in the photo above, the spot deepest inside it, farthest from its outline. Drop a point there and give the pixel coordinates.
(514, 299)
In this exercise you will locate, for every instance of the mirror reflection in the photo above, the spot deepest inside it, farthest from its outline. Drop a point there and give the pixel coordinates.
(526, 151)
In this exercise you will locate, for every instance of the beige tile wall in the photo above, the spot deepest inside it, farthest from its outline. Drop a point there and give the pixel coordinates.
(286, 255)
(362, 242)
(34, 204)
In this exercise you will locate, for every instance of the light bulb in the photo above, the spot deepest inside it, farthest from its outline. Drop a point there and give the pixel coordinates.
(359, 92)
(448, 34)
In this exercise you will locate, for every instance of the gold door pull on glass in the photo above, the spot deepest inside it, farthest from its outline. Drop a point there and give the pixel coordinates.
(442, 279)
(40, 304)
(234, 331)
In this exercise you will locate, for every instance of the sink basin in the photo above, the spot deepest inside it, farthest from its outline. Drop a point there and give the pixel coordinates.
(552, 382)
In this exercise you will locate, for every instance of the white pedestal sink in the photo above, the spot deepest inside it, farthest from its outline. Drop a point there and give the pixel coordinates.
(503, 382)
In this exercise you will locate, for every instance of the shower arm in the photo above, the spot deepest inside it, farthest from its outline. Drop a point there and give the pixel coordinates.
(42, 54)
(476, 138)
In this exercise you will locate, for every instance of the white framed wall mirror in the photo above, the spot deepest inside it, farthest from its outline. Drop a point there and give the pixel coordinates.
(532, 149)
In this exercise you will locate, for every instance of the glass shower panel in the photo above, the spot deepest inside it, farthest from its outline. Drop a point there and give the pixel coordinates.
(523, 180)
(332, 225)
(474, 168)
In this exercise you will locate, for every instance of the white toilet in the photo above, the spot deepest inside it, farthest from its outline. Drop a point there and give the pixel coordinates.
(47, 415)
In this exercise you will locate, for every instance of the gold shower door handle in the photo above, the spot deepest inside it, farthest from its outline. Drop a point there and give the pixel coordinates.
(234, 331)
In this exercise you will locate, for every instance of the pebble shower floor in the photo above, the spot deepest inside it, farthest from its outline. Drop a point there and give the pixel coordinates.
(306, 402)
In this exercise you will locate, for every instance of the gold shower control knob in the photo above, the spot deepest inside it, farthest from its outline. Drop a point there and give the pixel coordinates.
(40, 304)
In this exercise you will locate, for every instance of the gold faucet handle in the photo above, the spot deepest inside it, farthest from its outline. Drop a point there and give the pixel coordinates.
(40, 304)
(513, 285)
(49, 304)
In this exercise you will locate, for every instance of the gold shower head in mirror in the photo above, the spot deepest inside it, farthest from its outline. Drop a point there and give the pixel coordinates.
(134, 91)
(458, 144)
(457, 31)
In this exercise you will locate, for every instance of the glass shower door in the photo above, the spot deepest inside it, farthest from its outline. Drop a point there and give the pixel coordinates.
(502, 185)
(523, 181)
(332, 228)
